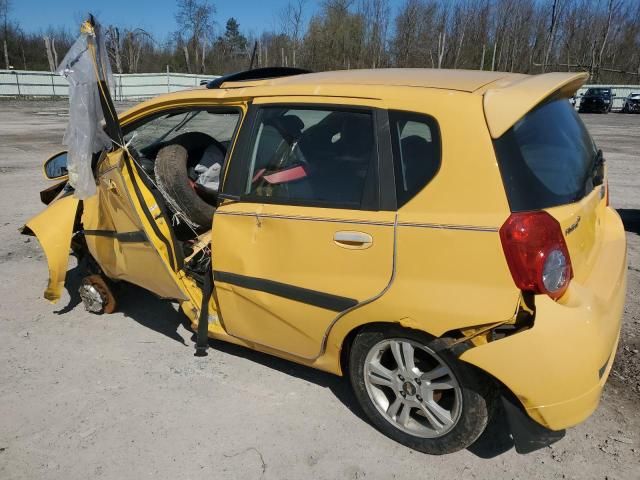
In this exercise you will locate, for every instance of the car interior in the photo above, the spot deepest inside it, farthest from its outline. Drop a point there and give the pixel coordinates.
(329, 160)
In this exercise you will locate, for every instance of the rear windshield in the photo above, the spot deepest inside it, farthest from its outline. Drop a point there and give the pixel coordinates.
(547, 158)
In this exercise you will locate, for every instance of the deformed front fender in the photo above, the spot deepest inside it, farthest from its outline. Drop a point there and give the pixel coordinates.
(53, 228)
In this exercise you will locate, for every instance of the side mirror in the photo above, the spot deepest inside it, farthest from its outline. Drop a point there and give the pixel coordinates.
(56, 166)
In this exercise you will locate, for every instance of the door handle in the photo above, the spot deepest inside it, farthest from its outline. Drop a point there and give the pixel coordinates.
(353, 240)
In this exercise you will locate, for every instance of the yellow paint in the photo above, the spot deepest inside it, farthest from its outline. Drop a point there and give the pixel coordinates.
(553, 367)
(436, 265)
(116, 208)
(508, 103)
(284, 244)
(54, 228)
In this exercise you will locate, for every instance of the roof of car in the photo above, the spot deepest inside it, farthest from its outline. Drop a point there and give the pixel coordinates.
(461, 80)
(507, 97)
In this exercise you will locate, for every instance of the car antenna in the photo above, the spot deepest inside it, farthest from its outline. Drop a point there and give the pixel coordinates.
(253, 55)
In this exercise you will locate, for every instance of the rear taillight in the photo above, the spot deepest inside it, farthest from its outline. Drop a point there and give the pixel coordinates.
(536, 253)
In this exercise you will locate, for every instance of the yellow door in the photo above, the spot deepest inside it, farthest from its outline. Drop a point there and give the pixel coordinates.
(126, 227)
(127, 241)
(304, 237)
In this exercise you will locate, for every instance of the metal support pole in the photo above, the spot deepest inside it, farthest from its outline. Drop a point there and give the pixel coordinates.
(17, 82)
(168, 84)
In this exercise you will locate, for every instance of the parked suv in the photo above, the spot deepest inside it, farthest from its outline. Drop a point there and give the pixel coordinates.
(443, 238)
(597, 99)
(631, 103)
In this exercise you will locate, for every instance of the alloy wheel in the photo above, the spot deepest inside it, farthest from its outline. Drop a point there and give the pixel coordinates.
(412, 387)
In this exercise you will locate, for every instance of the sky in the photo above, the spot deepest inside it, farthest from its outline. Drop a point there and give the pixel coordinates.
(157, 16)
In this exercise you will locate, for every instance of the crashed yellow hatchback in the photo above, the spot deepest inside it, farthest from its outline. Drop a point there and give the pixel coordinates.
(441, 237)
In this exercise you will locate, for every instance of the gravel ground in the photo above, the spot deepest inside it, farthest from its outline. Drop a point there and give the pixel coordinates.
(121, 396)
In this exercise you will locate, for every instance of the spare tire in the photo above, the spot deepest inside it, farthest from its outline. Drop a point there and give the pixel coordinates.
(171, 176)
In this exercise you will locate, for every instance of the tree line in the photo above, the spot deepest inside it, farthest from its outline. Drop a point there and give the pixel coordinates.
(526, 36)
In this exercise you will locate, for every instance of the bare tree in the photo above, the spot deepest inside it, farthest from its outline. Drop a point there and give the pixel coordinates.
(113, 35)
(292, 20)
(292, 25)
(611, 8)
(528, 36)
(555, 12)
(55, 52)
(134, 42)
(186, 58)
(47, 46)
(375, 17)
(415, 27)
(195, 20)
(5, 7)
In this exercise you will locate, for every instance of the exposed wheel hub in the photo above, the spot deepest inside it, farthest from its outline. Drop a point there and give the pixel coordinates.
(409, 388)
(96, 295)
(91, 299)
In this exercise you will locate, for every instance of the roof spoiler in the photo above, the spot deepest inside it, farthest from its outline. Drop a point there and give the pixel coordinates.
(505, 105)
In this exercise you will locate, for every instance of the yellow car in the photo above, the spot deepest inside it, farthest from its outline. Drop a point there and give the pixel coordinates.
(441, 237)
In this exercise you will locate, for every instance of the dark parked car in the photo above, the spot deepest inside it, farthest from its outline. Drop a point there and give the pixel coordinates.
(597, 100)
(632, 103)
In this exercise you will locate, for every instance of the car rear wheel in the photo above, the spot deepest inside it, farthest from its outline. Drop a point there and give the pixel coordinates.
(418, 393)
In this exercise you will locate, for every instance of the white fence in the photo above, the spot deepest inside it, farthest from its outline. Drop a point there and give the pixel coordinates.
(21, 83)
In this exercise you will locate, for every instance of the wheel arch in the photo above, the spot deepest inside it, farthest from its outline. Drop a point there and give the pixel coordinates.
(346, 339)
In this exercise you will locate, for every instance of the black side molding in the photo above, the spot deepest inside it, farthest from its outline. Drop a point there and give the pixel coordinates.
(327, 301)
(124, 237)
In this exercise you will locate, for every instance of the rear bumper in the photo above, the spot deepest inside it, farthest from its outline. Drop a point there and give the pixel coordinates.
(557, 369)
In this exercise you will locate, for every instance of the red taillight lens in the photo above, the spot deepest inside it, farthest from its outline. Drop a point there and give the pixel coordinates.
(536, 253)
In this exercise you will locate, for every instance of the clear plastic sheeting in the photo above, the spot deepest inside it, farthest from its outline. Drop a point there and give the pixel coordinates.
(86, 67)
(209, 167)
(209, 177)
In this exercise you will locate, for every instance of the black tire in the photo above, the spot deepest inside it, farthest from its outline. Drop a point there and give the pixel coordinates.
(478, 393)
(172, 176)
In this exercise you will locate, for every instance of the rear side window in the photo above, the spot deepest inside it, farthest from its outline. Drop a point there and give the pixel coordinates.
(416, 147)
(547, 158)
(312, 156)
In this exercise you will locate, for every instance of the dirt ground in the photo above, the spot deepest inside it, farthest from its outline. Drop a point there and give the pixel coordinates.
(122, 396)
